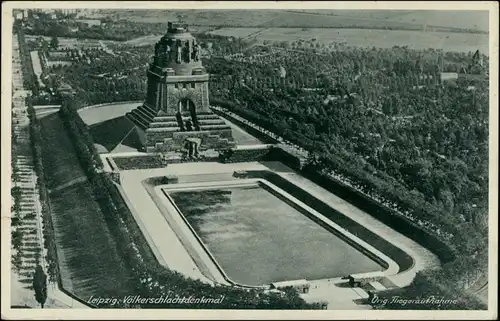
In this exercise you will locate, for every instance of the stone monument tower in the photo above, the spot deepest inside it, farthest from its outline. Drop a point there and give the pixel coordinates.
(176, 116)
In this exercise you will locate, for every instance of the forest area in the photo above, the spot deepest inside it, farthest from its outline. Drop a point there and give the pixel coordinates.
(384, 121)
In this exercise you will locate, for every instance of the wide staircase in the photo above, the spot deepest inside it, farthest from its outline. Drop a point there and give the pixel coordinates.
(142, 116)
(208, 141)
(210, 122)
(169, 132)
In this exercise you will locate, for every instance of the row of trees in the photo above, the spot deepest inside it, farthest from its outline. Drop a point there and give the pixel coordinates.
(80, 136)
(17, 235)
(48, 229)
(16, 194)
(39, 284)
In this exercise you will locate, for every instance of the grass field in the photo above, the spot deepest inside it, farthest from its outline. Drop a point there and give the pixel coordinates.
(59, 158)
(474, 20)
(88, 258)
(447, 41)
(400, 19)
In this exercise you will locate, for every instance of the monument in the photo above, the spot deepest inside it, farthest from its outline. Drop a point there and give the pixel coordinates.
(176, 118)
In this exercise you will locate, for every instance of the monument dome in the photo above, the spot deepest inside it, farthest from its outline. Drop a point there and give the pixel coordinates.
(179, 51)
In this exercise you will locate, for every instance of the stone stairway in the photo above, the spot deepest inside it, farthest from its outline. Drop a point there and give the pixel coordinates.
(142, 116)
(208, 141)
(211, 121)
(168, 133)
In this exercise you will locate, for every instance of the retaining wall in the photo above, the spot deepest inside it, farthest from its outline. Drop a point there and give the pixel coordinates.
(404, 260)
(110, 104)
(383, 214)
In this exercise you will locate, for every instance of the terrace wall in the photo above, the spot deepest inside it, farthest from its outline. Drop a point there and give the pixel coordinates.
(404, 261)
(354, 243)
(113, 103)
(243, 155)
(252, 131)
(382, 213)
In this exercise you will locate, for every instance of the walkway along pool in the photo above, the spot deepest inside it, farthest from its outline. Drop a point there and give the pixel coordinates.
(258, 235)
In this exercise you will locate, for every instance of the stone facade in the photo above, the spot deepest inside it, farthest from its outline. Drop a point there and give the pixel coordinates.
(176, 109)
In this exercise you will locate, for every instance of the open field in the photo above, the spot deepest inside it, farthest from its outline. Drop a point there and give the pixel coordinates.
(477, 20)
(259, 239)
(447, 41)
(401, 19)
(143, 41)
(474, 20)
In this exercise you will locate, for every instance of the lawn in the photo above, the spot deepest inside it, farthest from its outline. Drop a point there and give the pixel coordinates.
(395, 19)
(138, 162)
(59, 158)
(447, 41)
(87, 253)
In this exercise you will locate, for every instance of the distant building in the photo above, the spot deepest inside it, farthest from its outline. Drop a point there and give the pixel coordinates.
(86, 12)
(475, 70)
(65, 89)
(477, 59)
(68, 11)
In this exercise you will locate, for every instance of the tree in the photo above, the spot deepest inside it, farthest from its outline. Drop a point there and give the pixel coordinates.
(40, 285)
(54, 42)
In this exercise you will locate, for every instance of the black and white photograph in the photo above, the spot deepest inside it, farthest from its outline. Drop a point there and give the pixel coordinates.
(231, 160)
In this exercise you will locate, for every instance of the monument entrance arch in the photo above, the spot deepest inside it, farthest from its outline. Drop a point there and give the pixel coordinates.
(177, 106)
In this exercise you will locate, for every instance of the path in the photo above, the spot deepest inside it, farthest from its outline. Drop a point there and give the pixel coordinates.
(76, 180)
(424, 259)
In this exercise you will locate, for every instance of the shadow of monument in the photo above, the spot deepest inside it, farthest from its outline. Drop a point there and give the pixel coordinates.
(115, 131)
